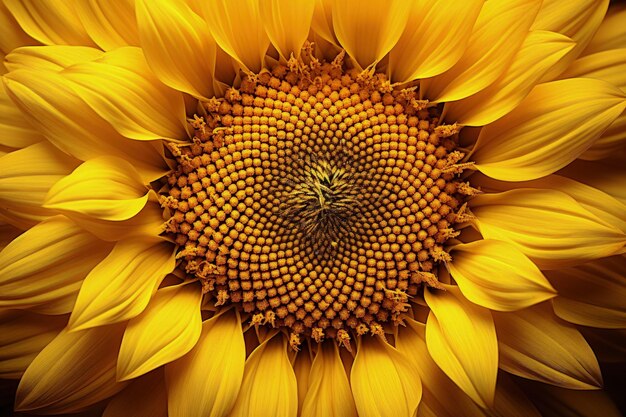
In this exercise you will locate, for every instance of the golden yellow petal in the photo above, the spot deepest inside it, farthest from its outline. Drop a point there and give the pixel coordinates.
(51, 22)
(43, 268)
(434, 40)
(121, 88)
(74, 371)
(498, 33)
(534, 344)
(52, 58)
(461, 339)
(322, 22)
(287, 24)
(608, 176)
(205, 382)
(540, 222)
(592, 294)
(166, 330)
(15, 130)
(496, 275)
(106, 187)
(269, 382)
(384, 383)
(608, 65)
(578, 20)
(22, 336)
(551, 127)
(539, 51)
(329, 393)
(13, 36)
(237, 27)
(612, 141)
(302, 369)
(144, 397)
(368, 31)
(178, 46)
(26, 177)
(612, 32)
(120, 287)
(109, 25)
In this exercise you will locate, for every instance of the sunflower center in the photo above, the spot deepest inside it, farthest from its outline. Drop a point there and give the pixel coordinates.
(315, 198)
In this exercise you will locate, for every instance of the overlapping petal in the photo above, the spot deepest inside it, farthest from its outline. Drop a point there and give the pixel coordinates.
(144, 397)
(287, 24)
(16, 132)
(109, 27)
(611, 33)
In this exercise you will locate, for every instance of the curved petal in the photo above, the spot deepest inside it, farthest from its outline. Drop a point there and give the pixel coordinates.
(496, 275)
(120, 287)
(49, 22)
(461, 339)
(110, 26)
(178, 46)
(43, 268)
(556, 123)
(322, 22)
(68, 122)
(269, 382)
(13, 36)
(74, 371)
(608, 176)
(368, 31)
(26, 177)
(205, 382)
(384, 383)
(436, 38)
(609, 66)
(329, 393)
(144, 397)
(592, 294)
(15, 130)
(302, 369)
(540, 223)
(538, 53)
(612, 141)
(442, 398)
(52, 58)
(534, 344)
(121, 88)
(22, 336)
(611, 34)
(287, 24)
(499, 32)
(578, 20)
(166, 330)
(237, 27)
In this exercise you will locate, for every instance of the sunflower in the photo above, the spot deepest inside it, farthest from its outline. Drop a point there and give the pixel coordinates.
(312, 208)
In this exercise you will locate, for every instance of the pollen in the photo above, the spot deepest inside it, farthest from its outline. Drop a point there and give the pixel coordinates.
(316, 198)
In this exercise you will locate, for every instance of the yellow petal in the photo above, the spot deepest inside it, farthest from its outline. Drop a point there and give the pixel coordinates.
(178, 46)
(554, 401)
(592, 294)
(106, 187)
(7, 234)
(269, 382)
(144, 397)
(205, 382)
(287, 24)
(608, 176)
(442, 398)
(50, 22)
(539, 51)
(122, 89)
(368, 31)
(53, 58)
(384, 383)
(46, 265)
(302, 369)
(611, 141)
(109, 25)
(53, 108)
(13, 36)
(329, 393)
(26, 177)
(22, 336)
(461, 339)
(540, 223)
(496, 275)
(551, 127)
(15, 129)
(500, 29)
(120, 287)
(609, 66)
(611, 34)
(534, 344)
(436, 38)
(322, 22)
(166, 330)
(237, 27)
(74, 371)
(578, 20)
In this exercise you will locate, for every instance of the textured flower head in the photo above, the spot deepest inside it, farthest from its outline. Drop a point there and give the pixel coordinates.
(312, 208)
